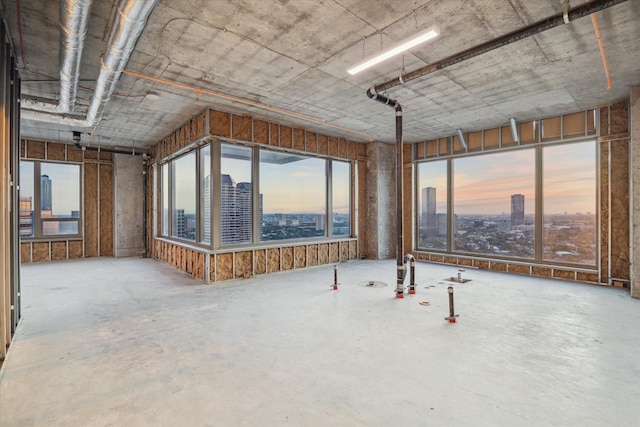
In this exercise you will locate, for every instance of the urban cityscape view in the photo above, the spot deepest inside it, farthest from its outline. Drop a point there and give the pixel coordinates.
(236, 218)
(566, 238)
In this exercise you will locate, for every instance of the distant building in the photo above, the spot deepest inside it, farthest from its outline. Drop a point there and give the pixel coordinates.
(45, 193)
(428, 211)
(236, 211)
(321, 221)
(179, 223)
(26, 216)
(517, 209)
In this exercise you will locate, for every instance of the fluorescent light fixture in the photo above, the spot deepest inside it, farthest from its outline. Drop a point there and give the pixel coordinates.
(514, 130)
(461, 138)
(396, 49)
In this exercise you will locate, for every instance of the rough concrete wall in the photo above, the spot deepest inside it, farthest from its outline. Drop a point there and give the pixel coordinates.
(634, 115)
(380, 201)
(129, 207)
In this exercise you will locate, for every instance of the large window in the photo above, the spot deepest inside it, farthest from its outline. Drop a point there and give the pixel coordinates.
(432, 205)
(494, 208)
(294, 196)
(494, 203)
(341, 198)
(224, 194)
(236, 202)
(569, 189)
(184, 196)
(49, 199)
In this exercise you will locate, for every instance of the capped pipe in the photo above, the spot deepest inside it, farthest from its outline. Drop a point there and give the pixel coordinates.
(412, 271)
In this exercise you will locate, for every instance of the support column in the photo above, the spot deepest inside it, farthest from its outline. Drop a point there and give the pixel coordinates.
(379, 240)
(129, 205)
(634, 116)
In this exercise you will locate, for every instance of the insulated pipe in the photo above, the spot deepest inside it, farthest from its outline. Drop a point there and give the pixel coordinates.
(514, 36)
(412, 271)
(130, 21)
(401, 269)
(74, 18)
(110, 150)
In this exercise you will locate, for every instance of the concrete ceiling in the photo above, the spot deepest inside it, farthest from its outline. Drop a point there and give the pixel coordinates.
(293, 55)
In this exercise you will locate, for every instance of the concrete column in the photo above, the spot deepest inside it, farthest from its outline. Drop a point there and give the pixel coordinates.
(128, 205)
(379, 240)
(634, 116)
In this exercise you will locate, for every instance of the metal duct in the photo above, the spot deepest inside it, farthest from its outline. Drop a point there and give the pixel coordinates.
(401, 269)
(74, 18)
(514, 36)
(130, 21)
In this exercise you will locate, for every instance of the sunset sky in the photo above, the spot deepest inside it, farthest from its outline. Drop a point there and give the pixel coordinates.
(484, 184)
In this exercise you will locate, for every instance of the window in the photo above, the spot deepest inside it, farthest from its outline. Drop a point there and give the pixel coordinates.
(184, 196)
(569, 189)
(341, 198)
(236, 200)
(49, 199)
(206, 187)
(165, 199)
(294, 196)
(432, 205)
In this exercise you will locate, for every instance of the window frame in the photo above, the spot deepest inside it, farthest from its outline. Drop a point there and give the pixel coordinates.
(38, 221)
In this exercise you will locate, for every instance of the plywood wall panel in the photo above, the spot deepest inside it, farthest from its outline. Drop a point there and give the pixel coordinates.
(75, 249)
(353, 249)
(40, 251)
(260, 132)
(287, 258)
(261, 261)
(619, 118)
(219, 123)
(55, 151)
(274, 138)
(35, 149)
(312, 258)
(273, 261)
(619, 214)
(224, 267)
(244, 264)
(58, 251)
(334, 252)
(300, 253)
(323, 253)
(323, 144)
(25, 252)
(242, 127)
(604, 210)
(106, 210)
(344, 251)
(286, 137)
(91, 210)
(298, 139)
(333, 146)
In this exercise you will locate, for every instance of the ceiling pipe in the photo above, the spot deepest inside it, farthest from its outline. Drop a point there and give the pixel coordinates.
(514, 36)
(74, 18)
(130, 20)
(129, 23)
(400, 265)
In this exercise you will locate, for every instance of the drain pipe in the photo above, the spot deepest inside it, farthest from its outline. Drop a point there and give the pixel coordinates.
(412, 271)
(400, 266)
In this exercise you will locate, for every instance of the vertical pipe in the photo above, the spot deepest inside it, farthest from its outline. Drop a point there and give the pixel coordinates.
(400, 238)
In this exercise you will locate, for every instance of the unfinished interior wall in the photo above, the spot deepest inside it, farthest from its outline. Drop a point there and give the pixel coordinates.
(216, 265)
(129, 205)
(97, 209)
(614, 170)
(634, 124)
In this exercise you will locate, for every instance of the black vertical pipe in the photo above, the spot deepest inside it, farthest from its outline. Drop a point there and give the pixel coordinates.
(371, 93)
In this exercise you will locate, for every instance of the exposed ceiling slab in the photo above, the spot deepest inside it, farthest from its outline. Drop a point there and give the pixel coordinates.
(293, 56)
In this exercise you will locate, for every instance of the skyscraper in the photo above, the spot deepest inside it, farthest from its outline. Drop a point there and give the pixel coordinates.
(45, 193)
(428, 210)
(235, 211)
(517, 209)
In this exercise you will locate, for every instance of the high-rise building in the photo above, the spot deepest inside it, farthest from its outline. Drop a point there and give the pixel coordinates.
(517, 209)
(45, 193)
(235, 211)
(179, 223)
(206, 210)
(26, 216)
(428, 210)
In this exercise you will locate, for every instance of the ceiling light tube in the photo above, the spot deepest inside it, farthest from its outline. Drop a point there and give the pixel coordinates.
(461, 138)
(396, 49)
(514, 130)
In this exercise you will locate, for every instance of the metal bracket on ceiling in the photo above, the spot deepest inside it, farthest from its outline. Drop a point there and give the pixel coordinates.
(565, 11)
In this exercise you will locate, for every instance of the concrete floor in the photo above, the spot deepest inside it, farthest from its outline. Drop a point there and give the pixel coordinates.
(132, 342)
